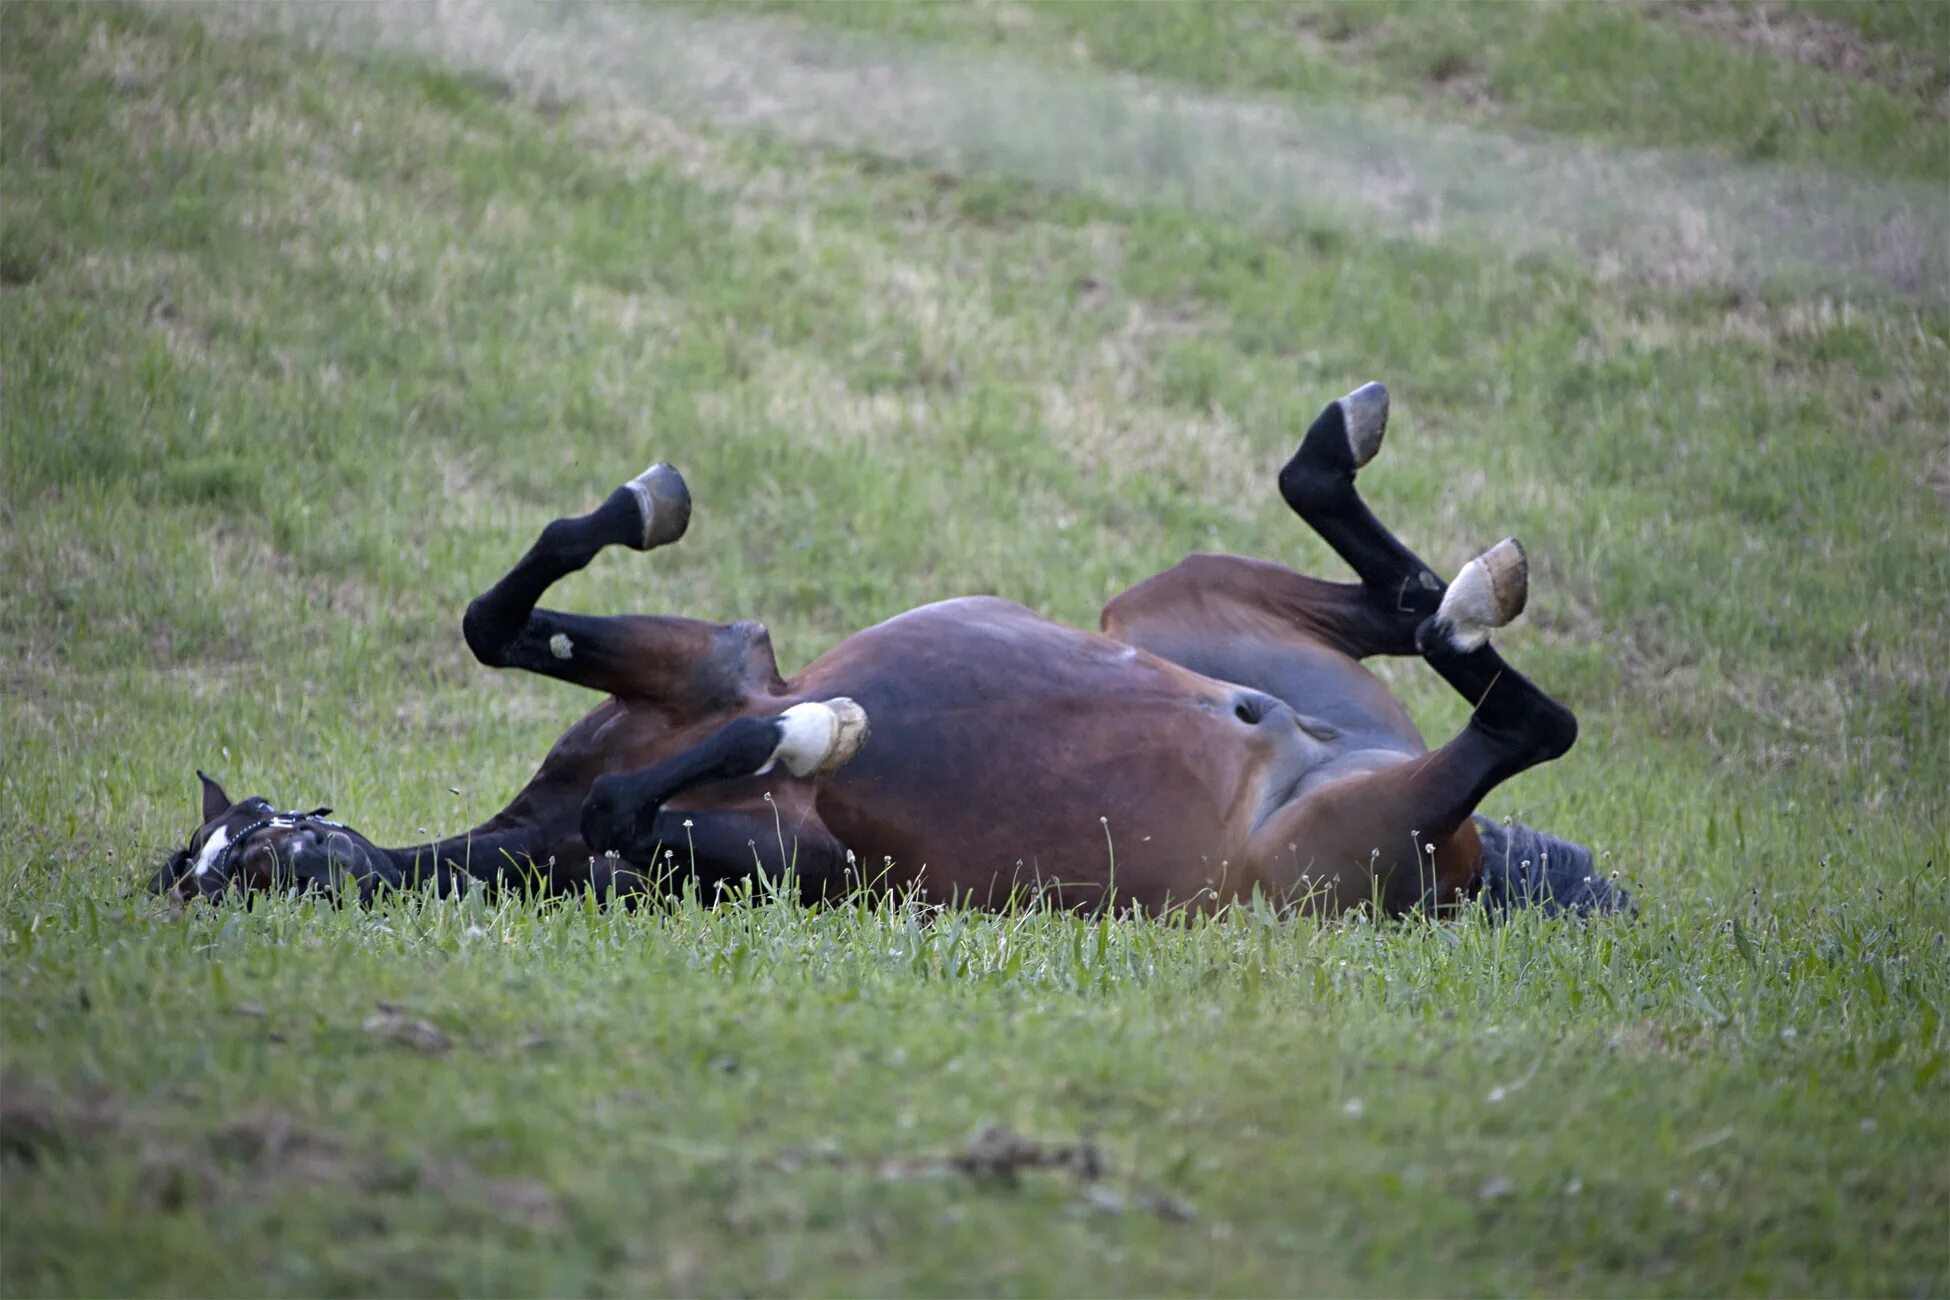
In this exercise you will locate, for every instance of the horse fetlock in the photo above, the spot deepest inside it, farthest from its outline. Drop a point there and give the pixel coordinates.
(1489, 593)
(818, 737)
(664, 502)
(1556, 730)
(484, 633)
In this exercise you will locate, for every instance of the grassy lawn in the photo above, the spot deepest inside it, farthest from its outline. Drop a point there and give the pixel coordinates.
(299, 347)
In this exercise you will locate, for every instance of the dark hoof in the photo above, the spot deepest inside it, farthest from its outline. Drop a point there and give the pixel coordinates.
(1343, 437)
(1365, 412)
(665, 503)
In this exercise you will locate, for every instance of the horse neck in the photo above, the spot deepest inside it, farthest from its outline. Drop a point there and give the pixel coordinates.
(492, 853)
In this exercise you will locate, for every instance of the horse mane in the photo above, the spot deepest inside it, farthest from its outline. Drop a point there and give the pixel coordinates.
(1527, 868)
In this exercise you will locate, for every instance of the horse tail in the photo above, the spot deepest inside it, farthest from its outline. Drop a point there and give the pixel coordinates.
(1527, 868)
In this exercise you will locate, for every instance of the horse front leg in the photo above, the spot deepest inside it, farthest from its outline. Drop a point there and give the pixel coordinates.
(625, 813)
(1408, 609)
(1402, 832)
(1397, 590)
(687, 665)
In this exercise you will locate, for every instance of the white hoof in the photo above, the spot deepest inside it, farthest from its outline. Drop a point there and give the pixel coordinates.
(666, 504)
(1490, 591)
(818, 737)
(1365, 413)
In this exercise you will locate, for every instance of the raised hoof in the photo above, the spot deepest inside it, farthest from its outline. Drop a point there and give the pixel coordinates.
(819, 737)
(665, 503)
(1489, 593)
(1365, 413)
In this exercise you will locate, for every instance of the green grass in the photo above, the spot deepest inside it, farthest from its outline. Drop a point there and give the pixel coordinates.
(301, 348)
(1630, 75)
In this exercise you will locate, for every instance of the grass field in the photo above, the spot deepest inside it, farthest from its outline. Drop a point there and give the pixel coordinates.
(304, 334)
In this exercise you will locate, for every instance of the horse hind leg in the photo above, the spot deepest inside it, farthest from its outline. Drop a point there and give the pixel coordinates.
(1397, 589)
(1411, 611)
(1490, 592)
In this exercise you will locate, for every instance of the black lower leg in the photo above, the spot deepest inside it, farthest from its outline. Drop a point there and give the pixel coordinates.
(716, 849)
(496, 620)
(1511, 710)
(1318, 483)
(620, 813)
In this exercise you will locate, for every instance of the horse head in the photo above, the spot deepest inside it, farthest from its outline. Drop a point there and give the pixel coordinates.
(249, 846)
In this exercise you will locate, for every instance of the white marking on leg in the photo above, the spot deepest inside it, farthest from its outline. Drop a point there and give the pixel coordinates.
(206, 859)
(560, 646)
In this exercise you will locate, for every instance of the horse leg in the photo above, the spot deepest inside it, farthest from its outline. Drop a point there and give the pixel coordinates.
(721, 846)
(625, 812)
(1402, 830)
(1377, 615)
(1408, 609)
(684, 662)
(1396, 591)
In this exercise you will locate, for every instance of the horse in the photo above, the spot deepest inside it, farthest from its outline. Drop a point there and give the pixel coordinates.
(1219, 738)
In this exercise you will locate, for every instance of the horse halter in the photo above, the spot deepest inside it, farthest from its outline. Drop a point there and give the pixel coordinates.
(220, 865)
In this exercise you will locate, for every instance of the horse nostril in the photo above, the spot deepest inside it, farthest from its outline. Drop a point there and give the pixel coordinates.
(1251, 708)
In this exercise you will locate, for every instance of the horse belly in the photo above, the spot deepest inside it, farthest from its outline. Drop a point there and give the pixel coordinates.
(1008, 753)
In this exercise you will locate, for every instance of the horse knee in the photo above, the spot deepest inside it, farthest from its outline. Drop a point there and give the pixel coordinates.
(612, 816)
(1557, 730)
(1528, 731)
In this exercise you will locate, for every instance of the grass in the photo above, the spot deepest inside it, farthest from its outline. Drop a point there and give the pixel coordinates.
(300, 349)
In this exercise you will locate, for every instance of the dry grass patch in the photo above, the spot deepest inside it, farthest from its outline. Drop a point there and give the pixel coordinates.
(640, 140)
(128, 59)
(1777, 31)
(1116, 440)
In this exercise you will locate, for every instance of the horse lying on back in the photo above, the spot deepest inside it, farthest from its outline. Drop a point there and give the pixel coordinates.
(1220, 737)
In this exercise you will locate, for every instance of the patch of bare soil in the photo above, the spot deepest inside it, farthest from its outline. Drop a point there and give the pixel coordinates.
(995, 1155)
(246, 1157)
(394, 1025)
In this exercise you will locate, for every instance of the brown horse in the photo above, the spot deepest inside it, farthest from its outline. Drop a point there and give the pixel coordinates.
(1219, 738)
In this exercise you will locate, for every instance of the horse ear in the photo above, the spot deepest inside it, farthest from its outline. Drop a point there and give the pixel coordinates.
(215, 802)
